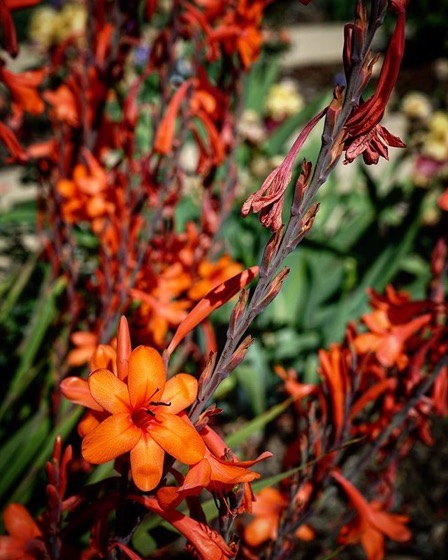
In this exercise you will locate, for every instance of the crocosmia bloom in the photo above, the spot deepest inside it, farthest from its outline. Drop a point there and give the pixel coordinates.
(144, 418)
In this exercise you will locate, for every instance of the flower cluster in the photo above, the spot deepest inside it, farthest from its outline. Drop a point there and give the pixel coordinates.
(378, 392)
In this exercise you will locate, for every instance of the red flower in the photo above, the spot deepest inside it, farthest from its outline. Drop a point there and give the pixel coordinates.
(365, 135)
(23, 89)
(370, 525)
(270, 197)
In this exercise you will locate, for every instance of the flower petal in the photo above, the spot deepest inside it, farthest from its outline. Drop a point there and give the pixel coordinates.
(113, 437)
(90, 421)
(180, 391)
(261, 529)
(392, 525)
(13, 548)
(77, 390)
(109, 391)
(147, 463)
(372, 542)
(147, 376)
(198, 476)
(177, 438)
(19, 523)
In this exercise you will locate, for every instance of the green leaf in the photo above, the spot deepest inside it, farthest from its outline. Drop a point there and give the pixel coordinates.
(20, 281)
(257, 424)
(252, 375)
(20, 213)
(18, 452)
(275, 144)
(43, 316)
(43, 448)
(260, 79)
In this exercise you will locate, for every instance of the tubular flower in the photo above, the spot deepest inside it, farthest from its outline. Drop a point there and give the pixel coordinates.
(370, 525)
(267, 509)
(365, 134)
(24, 540)
(393, 321)
(144, 418)
(270, 197)
(23, 90)
(207, 543)
(219, 471)
(216, 471)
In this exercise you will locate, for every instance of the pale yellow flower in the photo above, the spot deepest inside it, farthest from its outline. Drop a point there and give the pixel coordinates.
(283, 100)
(72, 21)
(417, 105)
(42, 26)
(435, 144)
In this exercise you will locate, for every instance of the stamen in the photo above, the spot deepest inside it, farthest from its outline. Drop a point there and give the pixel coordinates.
(160, 403)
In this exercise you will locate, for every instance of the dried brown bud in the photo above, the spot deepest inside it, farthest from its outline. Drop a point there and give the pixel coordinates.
(206, 374)
(301, 185)
(270, 250)
(203, 419)
(273, 289)
(237, 312)
(333, 112)
(305, 226)
(239, 354)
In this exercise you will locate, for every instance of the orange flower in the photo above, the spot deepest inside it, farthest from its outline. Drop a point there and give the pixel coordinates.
(371, 524)
(292, 386)
(208, 544)
(86, 343)
(393, 321)
(240, 31)
(219, 470)
(334, 369)
(87, 195)
(267, 510)
(63, 105)
(212, 274)
(144, 418)
(133, 408)
(24, 540)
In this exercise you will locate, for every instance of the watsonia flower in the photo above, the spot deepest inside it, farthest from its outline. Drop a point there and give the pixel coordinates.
(139, 412)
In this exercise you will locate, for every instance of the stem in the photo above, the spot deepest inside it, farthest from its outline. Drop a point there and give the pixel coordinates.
(324, 165)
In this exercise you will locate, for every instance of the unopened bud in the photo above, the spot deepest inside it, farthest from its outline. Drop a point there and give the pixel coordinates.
(53, 498)
(206, 375)
(239, 354)
(50, 469)
(273, 289)
(301, 185)
(333, 112)
(270, 250)
(305, 225)
(237, 312)
(203, 419)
